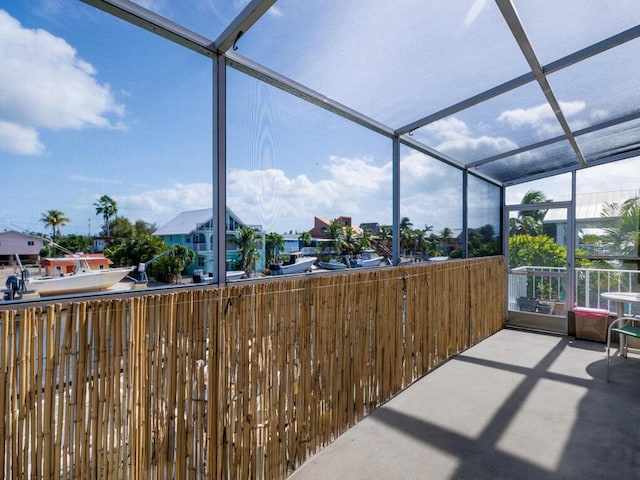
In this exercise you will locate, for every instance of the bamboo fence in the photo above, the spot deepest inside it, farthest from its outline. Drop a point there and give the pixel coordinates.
(245, 381)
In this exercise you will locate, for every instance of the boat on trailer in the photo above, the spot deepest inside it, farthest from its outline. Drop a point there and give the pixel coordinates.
(368, 258)
(297, 263)
(333, 264)
(81, 280)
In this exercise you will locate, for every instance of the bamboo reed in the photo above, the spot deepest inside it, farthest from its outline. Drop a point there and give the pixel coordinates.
(245, 381)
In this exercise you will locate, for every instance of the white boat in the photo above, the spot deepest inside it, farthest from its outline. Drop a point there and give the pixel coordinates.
(368, 258)
(332, 264)
(297, 263)
(82, 279)
(232, 275)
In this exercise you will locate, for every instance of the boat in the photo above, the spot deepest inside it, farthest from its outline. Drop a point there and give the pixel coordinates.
(368, 258)
(332, 264)
(232, 275)
(297, 263)
(81, 280)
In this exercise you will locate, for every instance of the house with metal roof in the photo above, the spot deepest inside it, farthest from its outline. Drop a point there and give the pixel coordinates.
(195, 230)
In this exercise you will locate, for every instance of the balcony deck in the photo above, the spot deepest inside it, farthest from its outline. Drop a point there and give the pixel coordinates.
(517, 405)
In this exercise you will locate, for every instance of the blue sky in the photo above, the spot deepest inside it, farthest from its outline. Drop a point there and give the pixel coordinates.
(90, 105)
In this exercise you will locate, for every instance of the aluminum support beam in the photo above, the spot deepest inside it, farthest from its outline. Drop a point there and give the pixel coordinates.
(513, 21)
(220, 168)
(465, 214)
(572, 235)
(396, 200)
(243, 22)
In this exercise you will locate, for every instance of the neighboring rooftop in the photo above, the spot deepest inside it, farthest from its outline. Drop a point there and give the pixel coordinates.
(589, 206)
(185, 222)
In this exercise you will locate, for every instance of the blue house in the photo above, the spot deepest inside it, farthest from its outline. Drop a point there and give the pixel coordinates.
(194, 229)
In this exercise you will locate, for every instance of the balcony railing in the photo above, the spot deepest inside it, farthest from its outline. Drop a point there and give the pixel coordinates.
(242, 381)
(548, 284)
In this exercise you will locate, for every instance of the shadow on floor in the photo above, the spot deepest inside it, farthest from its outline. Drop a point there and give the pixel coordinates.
(518, 405)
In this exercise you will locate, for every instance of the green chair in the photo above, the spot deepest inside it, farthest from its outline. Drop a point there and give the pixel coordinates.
(625, 327)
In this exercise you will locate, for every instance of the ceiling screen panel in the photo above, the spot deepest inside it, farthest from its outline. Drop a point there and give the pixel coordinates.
(533, 162)
(557, 29)
(620, 139)
(601, 88)
(392, 61)
(510, 121)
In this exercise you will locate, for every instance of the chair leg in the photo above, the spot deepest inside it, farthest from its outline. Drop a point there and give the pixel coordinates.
(607, 362)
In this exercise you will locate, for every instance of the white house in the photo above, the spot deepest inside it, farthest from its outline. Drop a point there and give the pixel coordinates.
(194, 229)
(26, 246)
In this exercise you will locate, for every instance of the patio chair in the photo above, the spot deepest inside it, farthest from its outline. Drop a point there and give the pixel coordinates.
(526, 304)
(624, 327)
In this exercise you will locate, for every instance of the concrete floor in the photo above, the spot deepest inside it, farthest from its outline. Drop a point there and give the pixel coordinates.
(519, 405)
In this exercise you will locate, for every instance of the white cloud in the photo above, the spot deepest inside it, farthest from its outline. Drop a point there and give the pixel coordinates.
(20, 140)
(541, 118)
(357, 187)
(278, 202)
(45, 84)
(455, 138)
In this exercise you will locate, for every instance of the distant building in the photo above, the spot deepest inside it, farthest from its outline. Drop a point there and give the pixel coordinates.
(321, 226)
(26, 246)
(291, 243)
(195, 229)
(65, 265)
(99, 244)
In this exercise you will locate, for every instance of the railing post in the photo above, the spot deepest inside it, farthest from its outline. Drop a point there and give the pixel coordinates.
(587, 288)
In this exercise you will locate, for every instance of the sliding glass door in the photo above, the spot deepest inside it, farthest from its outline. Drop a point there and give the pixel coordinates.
(537, 250)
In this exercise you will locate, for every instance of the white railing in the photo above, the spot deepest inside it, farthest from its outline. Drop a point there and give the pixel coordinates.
(598, 281)
(548, 284)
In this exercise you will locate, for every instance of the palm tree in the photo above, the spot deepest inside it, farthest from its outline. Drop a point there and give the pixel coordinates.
(247, 242)
(529, 222)
(274, 244)
(304, 240)
(365, 239)
(171, 266)
(446, 235)
(335, 233)
(349, 244)
(385, 235)
(525, 225)
(405, 223)
(106, 206)
(623, 230)
(54, 219)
